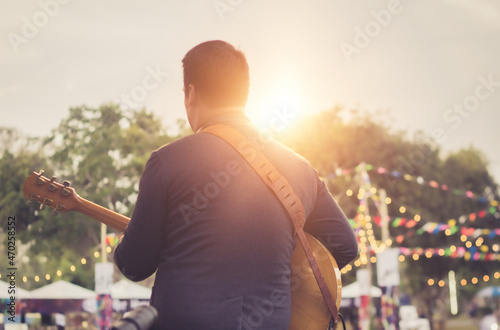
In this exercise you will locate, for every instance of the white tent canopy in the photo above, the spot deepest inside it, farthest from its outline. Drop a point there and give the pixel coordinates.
(62, 290)
(125, 289)
(354, 291)
(19, 293)
(489, 291)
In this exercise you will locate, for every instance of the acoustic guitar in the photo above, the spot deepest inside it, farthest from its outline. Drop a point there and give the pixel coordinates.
(309, 311)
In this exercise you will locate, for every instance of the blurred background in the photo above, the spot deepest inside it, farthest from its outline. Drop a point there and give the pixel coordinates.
(400, 96)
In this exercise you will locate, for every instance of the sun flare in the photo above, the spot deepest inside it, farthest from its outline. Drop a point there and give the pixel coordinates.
(277, 108)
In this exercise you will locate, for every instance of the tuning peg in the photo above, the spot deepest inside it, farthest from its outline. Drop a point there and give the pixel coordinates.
(33, 197)
(42, 206)
(65, 191)
(59, 207)
(52, 186)
(39, 179)
(48, 201)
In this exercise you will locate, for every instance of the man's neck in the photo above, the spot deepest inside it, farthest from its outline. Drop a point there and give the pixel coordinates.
(219, 114)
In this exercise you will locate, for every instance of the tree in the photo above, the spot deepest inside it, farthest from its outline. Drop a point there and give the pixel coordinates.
(102, 151)
(333, 143)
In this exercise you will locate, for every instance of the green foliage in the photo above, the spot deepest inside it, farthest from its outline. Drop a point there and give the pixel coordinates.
(102, 151)
(331, 142)
(14, 169)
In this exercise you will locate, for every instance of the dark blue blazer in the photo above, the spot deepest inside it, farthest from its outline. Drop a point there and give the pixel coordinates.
(219, 240)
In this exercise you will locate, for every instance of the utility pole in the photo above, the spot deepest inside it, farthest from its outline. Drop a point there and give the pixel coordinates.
(384, 217)
(103, 282)
(104, 253)
(387, 271)
(364, 275)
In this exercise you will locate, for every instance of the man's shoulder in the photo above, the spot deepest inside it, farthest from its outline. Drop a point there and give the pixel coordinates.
(292, 153)
(202, 147)
(284, 154)
(182, 143)
(193, 151)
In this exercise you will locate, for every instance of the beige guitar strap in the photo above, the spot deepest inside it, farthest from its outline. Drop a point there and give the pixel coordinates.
(283, 191)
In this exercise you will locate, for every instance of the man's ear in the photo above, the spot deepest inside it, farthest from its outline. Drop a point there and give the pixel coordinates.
(190, 96)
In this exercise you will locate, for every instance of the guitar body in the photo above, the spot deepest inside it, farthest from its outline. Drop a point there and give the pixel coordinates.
(309, 311)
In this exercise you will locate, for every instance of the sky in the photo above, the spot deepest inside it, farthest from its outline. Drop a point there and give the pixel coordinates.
(430, 65)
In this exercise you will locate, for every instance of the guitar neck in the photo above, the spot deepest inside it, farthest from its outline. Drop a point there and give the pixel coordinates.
(104, 215)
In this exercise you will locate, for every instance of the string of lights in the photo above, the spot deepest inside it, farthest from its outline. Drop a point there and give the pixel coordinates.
(363, 226)
(411, 178)
(465, 281)
(111, 241)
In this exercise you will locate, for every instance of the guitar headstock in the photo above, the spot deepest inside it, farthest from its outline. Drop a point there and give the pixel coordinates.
(48, 192)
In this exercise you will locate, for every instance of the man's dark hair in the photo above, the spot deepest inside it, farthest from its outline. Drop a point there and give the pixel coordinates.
(219, 72)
